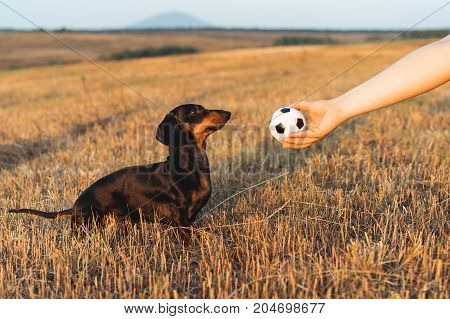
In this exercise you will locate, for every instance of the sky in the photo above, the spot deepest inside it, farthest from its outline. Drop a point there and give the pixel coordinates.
(342, 14)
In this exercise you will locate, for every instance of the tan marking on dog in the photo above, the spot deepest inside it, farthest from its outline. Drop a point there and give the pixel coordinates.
(200, 133)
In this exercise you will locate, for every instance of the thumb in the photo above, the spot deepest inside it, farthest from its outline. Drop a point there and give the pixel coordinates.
(302, 105)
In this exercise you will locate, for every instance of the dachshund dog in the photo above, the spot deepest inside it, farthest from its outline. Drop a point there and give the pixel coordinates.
(173, 191)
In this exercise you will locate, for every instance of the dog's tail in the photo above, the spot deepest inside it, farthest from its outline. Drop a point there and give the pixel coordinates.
(50, 215)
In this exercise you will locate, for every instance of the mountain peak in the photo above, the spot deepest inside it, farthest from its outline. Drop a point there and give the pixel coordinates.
(171, 20)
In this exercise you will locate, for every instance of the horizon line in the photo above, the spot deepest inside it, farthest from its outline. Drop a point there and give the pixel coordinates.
(212, 28)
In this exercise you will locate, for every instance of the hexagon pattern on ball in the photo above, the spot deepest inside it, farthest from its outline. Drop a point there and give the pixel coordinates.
(285, 121)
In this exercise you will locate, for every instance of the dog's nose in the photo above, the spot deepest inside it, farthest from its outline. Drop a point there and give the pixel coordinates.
(225, 114)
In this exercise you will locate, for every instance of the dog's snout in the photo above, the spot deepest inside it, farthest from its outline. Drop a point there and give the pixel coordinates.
(225, 114)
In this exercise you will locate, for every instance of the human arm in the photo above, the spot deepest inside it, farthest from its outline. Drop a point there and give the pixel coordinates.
(418, 72)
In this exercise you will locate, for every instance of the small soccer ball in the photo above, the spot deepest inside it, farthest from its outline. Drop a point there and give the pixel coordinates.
(285, 121)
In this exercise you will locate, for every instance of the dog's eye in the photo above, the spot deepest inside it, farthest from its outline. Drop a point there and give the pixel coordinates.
(194, 111)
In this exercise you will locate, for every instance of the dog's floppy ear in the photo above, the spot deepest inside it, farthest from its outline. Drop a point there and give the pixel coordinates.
(166, 130)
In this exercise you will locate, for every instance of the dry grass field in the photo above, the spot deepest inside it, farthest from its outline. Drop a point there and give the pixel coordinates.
(24, 49)
(363, 214)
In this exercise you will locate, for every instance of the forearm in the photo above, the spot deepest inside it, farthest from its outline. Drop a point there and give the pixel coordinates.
(418, 72)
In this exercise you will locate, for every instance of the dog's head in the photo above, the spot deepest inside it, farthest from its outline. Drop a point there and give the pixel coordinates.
(190, 124)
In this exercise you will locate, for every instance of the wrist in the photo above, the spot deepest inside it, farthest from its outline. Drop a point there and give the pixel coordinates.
(339, 107)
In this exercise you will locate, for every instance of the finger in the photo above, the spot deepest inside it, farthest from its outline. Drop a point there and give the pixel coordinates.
(299, 141)
(304, 134)
(302, 105)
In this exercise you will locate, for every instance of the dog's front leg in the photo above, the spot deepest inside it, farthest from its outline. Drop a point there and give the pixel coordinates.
(184, 226)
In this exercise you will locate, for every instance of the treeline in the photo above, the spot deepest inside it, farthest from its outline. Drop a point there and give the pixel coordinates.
(304, 40)
(425, 34)
(151, 52)
(420, 34)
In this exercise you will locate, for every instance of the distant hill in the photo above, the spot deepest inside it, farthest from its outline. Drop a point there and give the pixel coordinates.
(171, 20)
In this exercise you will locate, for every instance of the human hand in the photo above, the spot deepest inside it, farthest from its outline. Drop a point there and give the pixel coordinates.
(420, 71)
(322, 117)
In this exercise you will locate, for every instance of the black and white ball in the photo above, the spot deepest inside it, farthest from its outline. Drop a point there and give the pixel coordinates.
(285, 121)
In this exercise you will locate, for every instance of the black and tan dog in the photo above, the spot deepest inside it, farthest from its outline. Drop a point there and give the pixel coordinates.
(173, 191)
